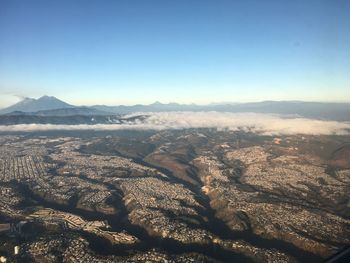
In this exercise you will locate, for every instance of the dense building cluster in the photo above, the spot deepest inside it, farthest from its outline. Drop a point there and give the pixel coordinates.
(187, 196)
(272, 195)
(9, 201)
(96, 166)
(152, 201)
(74, 222)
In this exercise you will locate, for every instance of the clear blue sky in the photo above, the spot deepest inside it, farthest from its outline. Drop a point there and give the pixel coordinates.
(125, 52)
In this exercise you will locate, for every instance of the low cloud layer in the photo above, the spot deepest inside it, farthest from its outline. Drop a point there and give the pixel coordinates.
(268, 124)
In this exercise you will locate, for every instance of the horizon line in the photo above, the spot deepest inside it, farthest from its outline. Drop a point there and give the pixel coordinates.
(179, 103)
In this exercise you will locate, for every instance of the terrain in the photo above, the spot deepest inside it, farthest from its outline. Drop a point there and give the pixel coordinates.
(189, 195)
(52, 106)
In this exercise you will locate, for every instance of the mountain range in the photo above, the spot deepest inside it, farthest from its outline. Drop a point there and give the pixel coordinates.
(51, 106)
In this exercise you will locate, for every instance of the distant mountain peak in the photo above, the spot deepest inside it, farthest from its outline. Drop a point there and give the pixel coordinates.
(45, 97)
(49, 98)
(32, 105)
(156, 103)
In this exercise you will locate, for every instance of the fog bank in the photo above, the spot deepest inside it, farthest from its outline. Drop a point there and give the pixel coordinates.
(267, 124)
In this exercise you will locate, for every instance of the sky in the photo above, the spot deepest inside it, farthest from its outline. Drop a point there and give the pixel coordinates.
(188, 51)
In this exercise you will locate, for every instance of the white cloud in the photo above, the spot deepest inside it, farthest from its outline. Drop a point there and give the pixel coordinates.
(260, 123)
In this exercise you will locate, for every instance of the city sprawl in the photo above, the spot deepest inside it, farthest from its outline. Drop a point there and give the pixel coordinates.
(194, 195)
